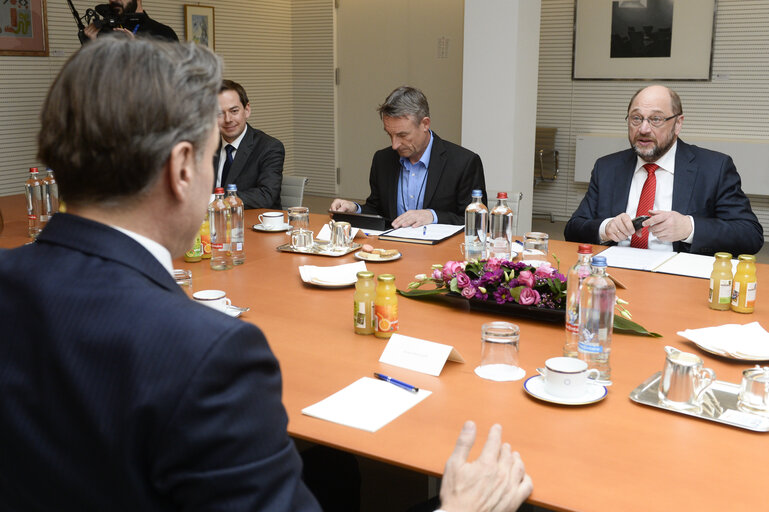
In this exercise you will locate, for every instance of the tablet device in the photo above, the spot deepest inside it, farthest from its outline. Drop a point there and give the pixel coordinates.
(362, 220)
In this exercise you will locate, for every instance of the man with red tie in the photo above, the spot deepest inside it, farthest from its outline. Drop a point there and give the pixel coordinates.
(691, 195)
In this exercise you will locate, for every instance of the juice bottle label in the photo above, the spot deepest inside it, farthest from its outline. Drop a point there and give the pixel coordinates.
(724, 291)
(750, 295)
(736, 293)
(360, 318)
(386, 318)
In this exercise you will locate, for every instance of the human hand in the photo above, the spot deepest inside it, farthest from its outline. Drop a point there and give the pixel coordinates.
(343, 205)
(124, 31)
(413, 218)
(91, 31)
(620, 228)
(668, 226)
(495, 482)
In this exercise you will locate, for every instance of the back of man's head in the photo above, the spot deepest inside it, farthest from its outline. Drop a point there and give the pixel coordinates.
(405, 101)
(117, 108)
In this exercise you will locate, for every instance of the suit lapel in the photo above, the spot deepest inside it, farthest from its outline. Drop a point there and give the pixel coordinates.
(391, 194)
(684, 178)
(623, 180)
(435, 171)
(241, 155)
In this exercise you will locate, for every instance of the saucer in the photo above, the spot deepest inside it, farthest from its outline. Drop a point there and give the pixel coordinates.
(366, 256)
(326, 284)
(232, 311)
(535, 386)
(284, 227)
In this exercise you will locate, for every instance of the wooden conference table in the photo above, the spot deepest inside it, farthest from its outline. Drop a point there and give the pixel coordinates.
(609, 456)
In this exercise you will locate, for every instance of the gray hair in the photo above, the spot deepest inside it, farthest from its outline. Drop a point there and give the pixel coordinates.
(116, 110)
(675, 100)
(405, 101)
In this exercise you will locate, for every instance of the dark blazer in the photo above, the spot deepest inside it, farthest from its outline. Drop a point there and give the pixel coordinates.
(452, 175)
(257, 169)
(705, 185)
(118, 392)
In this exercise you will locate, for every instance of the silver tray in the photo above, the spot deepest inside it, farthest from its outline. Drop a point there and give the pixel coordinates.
(320, 248)
(719, 404)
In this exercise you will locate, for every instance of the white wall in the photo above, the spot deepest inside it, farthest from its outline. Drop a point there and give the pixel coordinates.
(500, 93)
(734, 105)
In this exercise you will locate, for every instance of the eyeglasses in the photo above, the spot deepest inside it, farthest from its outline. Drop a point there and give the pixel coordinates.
(655, 121)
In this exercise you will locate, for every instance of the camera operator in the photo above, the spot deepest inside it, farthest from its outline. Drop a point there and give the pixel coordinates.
(135, 22)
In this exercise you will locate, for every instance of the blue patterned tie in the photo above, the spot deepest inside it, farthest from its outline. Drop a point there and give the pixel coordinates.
(227, 163)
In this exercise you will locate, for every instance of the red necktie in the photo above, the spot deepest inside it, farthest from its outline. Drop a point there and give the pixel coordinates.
(645, 203)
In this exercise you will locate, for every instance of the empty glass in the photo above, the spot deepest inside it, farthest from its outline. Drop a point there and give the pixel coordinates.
(535, 246)
(299, 217)
(499, 352)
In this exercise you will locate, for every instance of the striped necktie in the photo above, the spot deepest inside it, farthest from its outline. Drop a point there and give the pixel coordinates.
(645, 203)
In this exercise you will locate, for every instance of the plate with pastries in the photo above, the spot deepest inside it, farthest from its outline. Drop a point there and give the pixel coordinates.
(369, 253)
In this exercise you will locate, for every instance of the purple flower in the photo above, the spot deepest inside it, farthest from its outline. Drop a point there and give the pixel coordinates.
(463, 280)
(469, 291)
(528, 297)
(526, 278)
(503, 295)
(492, 277)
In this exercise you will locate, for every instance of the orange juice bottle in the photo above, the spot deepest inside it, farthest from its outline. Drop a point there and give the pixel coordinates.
(721, 282)
(386, 307)
(744, 287)
(196, 253)
(363, 303)
(205, 239)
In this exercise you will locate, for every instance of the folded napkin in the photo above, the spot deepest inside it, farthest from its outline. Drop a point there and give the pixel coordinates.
(749, 341)
(337, 275)
(325, 233)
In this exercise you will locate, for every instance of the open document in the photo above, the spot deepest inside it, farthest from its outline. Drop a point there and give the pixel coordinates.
(430, 234)
(676, 263)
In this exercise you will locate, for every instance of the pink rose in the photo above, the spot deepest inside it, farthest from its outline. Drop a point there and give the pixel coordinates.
(544, 270)
(528, 297)
(468, 292)
(492, 264)
(462, 279)
(450, 268)
(526, 278)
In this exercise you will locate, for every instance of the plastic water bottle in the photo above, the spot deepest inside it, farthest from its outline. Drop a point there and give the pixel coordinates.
(33, 190)
(501, 228)
(577, 273)
(220, 224)
(476, 218)
(596, 319)
(238, 233)
(50, 196)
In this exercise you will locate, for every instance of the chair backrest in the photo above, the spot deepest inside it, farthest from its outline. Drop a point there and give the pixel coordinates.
(545, 155)
(292, 191)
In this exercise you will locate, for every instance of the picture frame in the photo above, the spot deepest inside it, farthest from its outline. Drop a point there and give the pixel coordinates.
(23, 28)
(643, 39)
(199, 25)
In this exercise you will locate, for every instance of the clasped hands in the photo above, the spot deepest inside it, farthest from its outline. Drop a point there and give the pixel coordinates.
(666, 226)
(410, 218)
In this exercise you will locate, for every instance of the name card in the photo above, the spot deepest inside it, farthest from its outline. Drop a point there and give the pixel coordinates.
(418, 355)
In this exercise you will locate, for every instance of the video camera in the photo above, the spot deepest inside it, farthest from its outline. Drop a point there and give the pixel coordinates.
(104, 19)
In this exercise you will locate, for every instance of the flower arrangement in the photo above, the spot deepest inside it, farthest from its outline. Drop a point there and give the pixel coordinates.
(496, 279)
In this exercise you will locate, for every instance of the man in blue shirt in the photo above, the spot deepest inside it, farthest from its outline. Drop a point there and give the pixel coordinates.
(420, 179)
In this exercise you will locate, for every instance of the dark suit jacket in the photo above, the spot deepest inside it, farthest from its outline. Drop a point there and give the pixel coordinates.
(257, 169)
(120, 393)
(452, 175)
(705, 185)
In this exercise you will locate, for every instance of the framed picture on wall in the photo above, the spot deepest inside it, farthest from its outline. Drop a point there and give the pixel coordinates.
(643, 39)
(23, 28)
(199, 25)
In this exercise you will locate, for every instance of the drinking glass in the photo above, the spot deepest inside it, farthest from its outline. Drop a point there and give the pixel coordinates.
(535, 246)
(299, 217)
(499, 352)
(183, 278)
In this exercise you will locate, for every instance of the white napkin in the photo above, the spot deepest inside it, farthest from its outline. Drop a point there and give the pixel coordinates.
(741, 341)
(325, 233)
(337, 275)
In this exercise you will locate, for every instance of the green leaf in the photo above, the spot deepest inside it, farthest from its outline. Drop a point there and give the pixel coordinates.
(422, 293)
(625, 326)
(453, 286)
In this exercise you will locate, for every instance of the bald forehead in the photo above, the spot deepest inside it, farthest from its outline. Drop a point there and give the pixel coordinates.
(655, 98)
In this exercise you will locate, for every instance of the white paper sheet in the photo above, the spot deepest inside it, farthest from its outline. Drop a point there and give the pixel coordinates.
(368, 404)
(692, 265)
(428, 232)
(333, 275)
(635, 259)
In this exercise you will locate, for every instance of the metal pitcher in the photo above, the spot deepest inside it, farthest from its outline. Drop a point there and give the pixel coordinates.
(684, 379)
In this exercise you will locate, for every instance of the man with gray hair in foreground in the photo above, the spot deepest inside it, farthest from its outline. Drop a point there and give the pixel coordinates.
(118, 391)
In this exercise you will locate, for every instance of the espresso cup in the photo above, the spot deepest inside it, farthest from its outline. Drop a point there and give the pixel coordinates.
(754, 391)
(216, 299)
(301, 239)
(341, 235)
(566, 377)
(271, 220)
(684, 379)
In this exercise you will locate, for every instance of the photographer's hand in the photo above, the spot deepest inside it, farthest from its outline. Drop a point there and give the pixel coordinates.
(91, 31)
(124, 31)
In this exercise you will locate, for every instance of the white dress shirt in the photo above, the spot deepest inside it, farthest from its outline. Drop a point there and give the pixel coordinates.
(158, 251)
(223, 155)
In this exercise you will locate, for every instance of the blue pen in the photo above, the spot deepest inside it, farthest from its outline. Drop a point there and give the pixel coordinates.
(407, 387)
(424, 231)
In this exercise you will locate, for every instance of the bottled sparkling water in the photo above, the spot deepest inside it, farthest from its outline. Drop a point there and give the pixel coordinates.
(50, 196)
(476, 218)
(33, 190)
(596, 319)
(577, 273)
(501, 228)
(220, 224)
(237, 232)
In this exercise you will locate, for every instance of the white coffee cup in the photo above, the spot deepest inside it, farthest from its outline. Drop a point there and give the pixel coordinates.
(216, 299)
(272, 220)
(566, 377)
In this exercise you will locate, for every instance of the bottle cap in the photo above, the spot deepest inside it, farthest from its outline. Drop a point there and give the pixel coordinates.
(501, 195)
(726, 255)
(585, 249)
(598, 261)
(389, 278)
(218, 190)
(365, 274)
(746, 257)
(33, 169)
(477, 193)
(232, 186)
